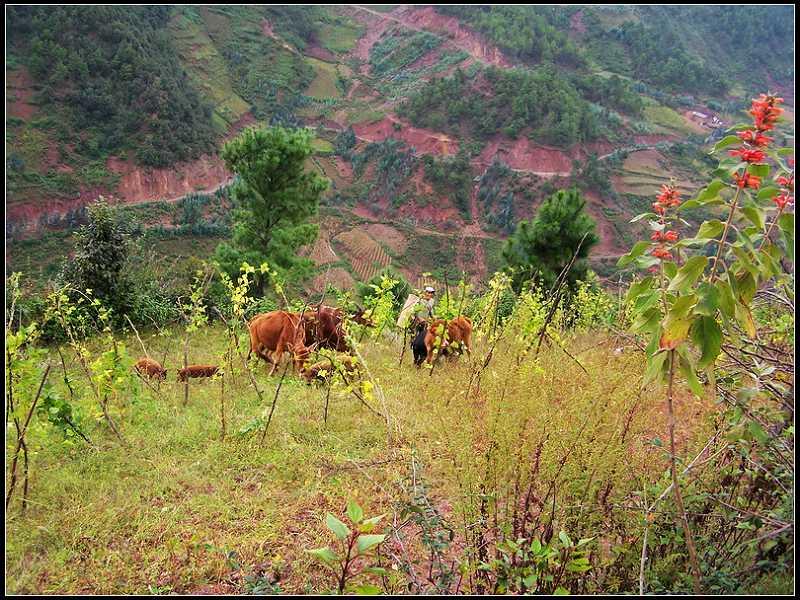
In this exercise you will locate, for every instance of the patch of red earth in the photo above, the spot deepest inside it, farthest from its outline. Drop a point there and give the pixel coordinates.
(19, 90)
(375, 26)
(424, 140)
(609, 243)
(576, 23)
(320, 53)
(344, 168)
(460, 36)
(139, 184)
(525, 155)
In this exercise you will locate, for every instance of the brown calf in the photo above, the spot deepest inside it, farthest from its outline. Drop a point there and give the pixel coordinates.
(451, 338)
(193, 371)
(150, 368)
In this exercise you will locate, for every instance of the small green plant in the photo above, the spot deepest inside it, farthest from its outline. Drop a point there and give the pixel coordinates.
(356, 549)
(529, 566)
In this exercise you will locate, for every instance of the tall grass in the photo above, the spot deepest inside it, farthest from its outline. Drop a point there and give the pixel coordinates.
(177, 509)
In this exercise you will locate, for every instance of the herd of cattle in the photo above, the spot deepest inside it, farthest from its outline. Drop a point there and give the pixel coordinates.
(278, 332)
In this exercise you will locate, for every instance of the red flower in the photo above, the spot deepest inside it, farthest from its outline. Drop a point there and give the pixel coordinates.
(747, 181)
(659, 208)
(782, 199)
(668, 196)
(656, 237)
(765, 111)
(654, 269)
(787, 182)
(747, 155)
(662, 253)
(754, 138)
(671, 236)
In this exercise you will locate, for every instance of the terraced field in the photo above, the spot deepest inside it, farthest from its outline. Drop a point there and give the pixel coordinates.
(207, 69)
(365, 254)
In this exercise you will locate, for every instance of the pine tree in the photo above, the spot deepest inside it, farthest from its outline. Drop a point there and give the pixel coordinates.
(539, 250)
(274, 197)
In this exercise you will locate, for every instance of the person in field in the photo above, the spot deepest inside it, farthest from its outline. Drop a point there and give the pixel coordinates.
(421, 316)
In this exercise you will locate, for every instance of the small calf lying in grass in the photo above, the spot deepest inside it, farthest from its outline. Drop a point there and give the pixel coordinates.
(150, 368)
(348, 365)
(193, 371)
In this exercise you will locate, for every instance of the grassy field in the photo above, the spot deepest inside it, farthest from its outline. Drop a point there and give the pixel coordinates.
(177, 508)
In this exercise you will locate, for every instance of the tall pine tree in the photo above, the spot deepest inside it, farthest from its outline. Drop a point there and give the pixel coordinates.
(539, 250)
(273, 198)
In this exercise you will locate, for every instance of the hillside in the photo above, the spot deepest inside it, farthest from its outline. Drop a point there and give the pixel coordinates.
(440, 128)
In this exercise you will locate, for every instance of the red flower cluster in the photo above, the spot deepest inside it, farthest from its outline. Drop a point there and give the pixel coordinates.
(662, 253)
(668, 196)
(765, 111)
(747, 181)
(783, 199)
(669, 236)
(748, 155)
(754, 138)
(787, 182)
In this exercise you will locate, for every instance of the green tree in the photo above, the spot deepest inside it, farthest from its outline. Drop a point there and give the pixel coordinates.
(102, 252)
(539, 250)
(273, 198)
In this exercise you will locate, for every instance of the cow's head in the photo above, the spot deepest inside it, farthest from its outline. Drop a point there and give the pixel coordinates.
(361, 318)
(301, 353)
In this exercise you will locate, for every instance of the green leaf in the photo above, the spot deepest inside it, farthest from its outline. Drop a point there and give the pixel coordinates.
(767, 193)
(755, 215)
(687, 370)
(365, 542)
(745, 319)
(758, 170)
(670, 269)
(688, 274)
(728, 140)
(707, 300)
(325, 554)
(560, 591)
(337, 527)
(638, 249)
(727, 301)
(745, 286)
(354, 512)
(368, 589)
(707, 335)
(710, 230)
(562, 535)
(646, 215)
(675, 332)
(637, 288)
(758, 432)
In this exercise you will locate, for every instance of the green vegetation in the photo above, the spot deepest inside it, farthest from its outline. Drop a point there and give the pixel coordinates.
(273, 197)
(522, 31)
(393, 161)
(540, 100)
(451, 177)
(540, 250)
(113, 75)
(398, 48)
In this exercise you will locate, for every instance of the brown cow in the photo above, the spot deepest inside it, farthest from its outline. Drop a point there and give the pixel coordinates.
(329, 332)
(451, 338)
(193, 371)
(150, 368)
(273, 333)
